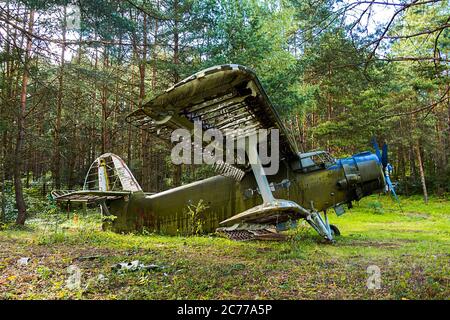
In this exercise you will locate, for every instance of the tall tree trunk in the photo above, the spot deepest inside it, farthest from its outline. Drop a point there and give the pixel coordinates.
(155, 53)
(18, 154)
(145, 160)
(3, 114)
(3, 181)
(57, 142)
(131, 102)
(176, 78)
(93, 136)
(104, 104)
(3, 191)
(155, 159)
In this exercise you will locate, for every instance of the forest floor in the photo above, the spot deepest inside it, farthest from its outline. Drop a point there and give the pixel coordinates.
(410, 249)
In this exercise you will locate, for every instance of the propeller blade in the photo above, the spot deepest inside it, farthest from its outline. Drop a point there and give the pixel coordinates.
(391, 187)
(387, 168)
(377, 148)
(384, 155)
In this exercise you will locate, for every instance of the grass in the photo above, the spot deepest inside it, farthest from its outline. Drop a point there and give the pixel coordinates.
(411, 249)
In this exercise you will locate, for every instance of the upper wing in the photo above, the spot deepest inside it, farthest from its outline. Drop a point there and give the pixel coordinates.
(91, 196)
(227, 97)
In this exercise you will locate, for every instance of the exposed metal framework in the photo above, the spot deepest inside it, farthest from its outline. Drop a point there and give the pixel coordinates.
(108, 178)
(231, 100)
(91, 196)
(116, 173)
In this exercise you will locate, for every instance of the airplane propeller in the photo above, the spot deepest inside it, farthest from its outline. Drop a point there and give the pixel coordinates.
(387, 168)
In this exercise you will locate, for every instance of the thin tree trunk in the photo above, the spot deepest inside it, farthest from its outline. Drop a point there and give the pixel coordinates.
(131, 101)
(154, 157)
(422, 174)
(93, 117)
(145, 174)
(155, 55)
(176, 78)
(6, 87)
(18, 154)
(104, 104)
(412, 164)
(3, 204)
(57, 146)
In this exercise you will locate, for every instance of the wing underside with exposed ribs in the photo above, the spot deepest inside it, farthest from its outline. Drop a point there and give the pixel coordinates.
(229, 98)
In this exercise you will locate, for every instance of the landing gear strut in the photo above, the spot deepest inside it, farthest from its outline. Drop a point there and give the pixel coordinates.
(334, 230)
(322, 226)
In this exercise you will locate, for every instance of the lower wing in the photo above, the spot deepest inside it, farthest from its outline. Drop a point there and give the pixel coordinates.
(90, 196)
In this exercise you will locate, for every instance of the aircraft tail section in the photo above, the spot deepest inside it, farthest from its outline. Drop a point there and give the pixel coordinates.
(108, 178)
(110, 173)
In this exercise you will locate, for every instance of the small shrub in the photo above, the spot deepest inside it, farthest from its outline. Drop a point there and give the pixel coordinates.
(52, 238)
(44, 272)
(109, 218)
(376, 207)
(196, 217)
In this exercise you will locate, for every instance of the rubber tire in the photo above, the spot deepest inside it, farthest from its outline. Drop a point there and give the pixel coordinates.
(334, 230)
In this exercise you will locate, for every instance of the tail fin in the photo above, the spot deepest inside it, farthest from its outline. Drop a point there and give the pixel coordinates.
(110, 173)
(108, 178)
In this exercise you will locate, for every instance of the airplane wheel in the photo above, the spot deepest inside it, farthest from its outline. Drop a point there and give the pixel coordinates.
(334, 230)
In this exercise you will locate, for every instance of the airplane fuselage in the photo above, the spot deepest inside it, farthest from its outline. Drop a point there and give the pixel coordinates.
(320, 189)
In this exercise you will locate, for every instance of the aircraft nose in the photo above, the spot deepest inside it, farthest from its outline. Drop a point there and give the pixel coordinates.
(363, 174)
(371, 172)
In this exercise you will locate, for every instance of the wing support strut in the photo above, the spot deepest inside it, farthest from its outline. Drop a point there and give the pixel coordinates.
(251, 148)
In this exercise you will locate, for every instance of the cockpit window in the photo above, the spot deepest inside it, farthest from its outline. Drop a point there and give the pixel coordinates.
(315, 160)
